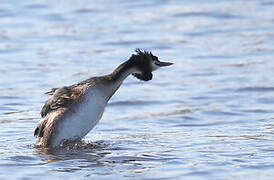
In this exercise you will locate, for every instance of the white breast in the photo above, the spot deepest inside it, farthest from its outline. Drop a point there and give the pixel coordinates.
(83, 119)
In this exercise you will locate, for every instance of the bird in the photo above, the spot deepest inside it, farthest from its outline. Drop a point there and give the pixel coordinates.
(71, 112)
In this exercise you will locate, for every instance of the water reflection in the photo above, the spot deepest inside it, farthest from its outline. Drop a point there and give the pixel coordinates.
(77, 153)
(77, 156)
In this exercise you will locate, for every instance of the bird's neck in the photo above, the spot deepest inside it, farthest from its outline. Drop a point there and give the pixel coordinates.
(116, 78)
(123, 71)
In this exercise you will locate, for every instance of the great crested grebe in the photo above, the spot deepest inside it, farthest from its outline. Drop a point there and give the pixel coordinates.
(72, 111)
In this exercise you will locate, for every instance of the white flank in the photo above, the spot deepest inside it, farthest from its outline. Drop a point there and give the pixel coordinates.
(85, 117)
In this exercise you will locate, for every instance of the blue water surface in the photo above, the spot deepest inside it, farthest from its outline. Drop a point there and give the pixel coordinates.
(209, 116)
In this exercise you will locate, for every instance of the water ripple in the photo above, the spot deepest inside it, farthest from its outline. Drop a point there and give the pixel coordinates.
(126, 43)
(217, 15)
(134, 103)
(256, 89)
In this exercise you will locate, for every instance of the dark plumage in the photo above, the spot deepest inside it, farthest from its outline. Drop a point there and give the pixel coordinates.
(143, 62)
(61, 98)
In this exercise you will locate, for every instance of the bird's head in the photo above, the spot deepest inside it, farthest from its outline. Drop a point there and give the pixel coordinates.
(145, 62)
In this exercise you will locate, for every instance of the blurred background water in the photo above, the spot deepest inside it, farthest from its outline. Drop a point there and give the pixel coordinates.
(209, 116)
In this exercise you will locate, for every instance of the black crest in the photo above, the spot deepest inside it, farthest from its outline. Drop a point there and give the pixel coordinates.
(142, 60)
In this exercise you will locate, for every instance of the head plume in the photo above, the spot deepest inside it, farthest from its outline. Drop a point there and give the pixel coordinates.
(142, 61)
(145, 62)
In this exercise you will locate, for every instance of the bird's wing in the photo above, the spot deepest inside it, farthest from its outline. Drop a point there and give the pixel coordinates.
(51, 92)
(39, 130)
(63, 98)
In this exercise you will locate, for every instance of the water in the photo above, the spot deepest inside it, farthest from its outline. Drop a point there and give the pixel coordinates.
(209, 116)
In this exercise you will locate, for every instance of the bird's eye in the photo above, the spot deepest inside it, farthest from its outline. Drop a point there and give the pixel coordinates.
(154, 58)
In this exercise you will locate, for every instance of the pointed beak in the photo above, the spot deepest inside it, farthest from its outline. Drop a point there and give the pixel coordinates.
(160, 64)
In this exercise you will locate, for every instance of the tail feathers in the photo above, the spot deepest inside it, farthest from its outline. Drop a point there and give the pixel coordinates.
(39, 131)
